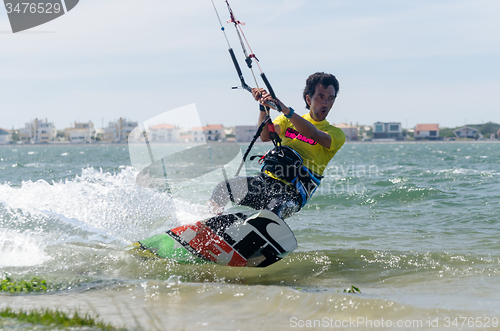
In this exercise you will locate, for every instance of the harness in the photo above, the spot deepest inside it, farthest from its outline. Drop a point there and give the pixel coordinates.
(287, 166)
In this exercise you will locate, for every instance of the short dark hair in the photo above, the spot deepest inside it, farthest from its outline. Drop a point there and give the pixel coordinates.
(325, 80)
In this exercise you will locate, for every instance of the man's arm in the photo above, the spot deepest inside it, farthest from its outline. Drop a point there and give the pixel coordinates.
(306, 128)
(264, 135)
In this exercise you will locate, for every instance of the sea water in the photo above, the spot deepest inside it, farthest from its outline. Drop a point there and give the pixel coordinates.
(414, 226)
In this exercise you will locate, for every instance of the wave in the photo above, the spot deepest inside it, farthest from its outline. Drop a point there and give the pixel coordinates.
(91, 204)
(22, 249)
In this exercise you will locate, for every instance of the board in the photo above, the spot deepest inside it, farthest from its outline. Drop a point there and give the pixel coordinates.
(248, 239)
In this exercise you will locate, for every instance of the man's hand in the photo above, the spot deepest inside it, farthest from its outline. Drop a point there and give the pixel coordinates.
(262, 96)
(304, 127)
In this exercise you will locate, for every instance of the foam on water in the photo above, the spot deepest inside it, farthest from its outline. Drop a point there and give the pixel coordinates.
(95, 207)
(21, 249)
(92, 205)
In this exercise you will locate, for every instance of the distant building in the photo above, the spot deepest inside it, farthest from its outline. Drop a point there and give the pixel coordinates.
(212, 132)
(229, 130)
(164, 133)
(467, 132)
(5, 136)
(99, 132)
(245, 133)
(426, 131)
(80, 133)
(197, 134)
(186, 137)
(118, 132)
(498, 133)
(365, 127)
(390, 130)
(38, 131)
(350, 131)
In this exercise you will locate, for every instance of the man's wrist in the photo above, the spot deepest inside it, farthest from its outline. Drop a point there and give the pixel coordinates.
(290, 112)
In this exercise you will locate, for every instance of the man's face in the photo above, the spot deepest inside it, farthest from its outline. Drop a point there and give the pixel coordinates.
(321, 102)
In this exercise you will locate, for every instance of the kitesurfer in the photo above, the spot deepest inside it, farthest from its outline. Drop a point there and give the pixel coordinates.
(291, 172)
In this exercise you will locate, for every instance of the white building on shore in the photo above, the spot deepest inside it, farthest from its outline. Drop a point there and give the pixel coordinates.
(467, 132)
(214, 132)
(118, 132)
(164, 133)
(5, 136)
(387, 131)
(197, 134)
(350, 131)
(426, 131)
(211, 132)
(245, 133)
(80, 133)
(38, 131)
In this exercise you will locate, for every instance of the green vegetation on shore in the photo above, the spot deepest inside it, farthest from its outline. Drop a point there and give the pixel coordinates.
(352, 289)
(34, 285)
(47, 317)
(54, 318)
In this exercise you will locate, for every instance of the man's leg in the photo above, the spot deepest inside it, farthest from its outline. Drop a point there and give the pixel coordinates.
(283, 200)
(234, 189)
(284, 207)
(258, 192)
(265, 192)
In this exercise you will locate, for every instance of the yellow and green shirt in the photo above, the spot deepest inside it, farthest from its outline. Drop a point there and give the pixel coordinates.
(315, 156)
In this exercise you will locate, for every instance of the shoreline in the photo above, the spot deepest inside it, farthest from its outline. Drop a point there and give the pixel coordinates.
(67, 143)
(422, 141)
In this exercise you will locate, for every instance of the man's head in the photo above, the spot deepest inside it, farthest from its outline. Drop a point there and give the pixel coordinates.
(320, 93)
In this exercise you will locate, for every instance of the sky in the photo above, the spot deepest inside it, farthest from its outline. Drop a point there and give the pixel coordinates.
(408, 61)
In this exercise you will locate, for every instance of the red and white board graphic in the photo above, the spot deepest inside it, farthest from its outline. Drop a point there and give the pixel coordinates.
(251, 239)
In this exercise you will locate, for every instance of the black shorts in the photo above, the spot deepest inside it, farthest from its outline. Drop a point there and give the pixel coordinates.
(259, 192)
